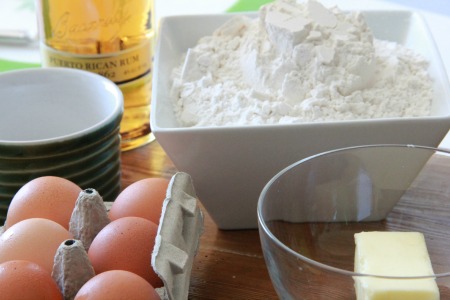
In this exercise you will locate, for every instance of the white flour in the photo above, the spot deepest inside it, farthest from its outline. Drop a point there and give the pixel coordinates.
(298, 63)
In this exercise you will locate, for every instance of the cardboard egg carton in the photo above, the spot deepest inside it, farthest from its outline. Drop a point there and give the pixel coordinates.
(177, 239)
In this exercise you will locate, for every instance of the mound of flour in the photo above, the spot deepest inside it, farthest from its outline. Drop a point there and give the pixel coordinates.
(298, 63)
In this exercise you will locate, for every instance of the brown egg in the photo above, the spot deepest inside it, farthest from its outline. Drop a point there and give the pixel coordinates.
(45, 197)
(126, 244)
(144, 199)
(24, 280)
(35, 240)
(117, 285)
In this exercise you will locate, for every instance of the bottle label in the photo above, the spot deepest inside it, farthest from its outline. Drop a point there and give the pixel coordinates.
(119, 67)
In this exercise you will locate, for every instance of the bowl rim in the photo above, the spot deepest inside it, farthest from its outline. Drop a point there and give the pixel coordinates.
(263, 228)
(102, 127)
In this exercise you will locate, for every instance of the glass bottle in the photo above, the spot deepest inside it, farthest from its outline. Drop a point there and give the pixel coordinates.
(113, 38)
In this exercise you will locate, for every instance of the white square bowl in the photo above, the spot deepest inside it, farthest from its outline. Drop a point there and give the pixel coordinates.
(231, 165)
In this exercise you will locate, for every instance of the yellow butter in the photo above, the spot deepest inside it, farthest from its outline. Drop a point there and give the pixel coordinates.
(393, 254)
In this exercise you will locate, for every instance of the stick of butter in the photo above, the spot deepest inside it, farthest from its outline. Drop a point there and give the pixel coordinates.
(393, 254)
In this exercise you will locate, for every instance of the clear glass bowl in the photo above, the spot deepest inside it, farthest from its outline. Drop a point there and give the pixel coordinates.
(309, 212)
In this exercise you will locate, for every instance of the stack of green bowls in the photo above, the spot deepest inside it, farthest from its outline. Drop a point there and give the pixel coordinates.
(59, 122)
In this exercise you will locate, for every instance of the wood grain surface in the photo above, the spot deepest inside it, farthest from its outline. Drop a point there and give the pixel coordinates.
(230, 263)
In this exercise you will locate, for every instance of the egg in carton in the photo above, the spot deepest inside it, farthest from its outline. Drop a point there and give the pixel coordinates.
(176, 242)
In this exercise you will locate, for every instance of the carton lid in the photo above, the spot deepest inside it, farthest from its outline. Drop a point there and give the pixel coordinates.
(177, 240)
